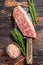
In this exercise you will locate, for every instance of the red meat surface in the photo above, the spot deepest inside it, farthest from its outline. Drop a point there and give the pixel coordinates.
(24, 22)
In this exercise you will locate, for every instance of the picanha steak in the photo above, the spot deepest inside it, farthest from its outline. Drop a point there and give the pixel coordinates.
(24, 22)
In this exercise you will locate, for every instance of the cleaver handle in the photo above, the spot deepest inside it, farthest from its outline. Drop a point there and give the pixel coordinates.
(29, 53)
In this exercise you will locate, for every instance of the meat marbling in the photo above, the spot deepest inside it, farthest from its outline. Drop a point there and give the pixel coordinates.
(24, 22)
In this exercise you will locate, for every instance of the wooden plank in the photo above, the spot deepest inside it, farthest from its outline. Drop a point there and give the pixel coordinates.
(38, 42)
(5, 31)
(1, 51)
(38, 47)
(10, 3)
(7, 11)
(5, 22)
(6, 59)
(40, 21)
(6, 26)
(38, 59)
(38, 3)
(4, 64)
(5, 39)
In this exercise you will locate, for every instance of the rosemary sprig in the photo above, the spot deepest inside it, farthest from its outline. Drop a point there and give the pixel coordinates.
(19, 39)
(31, 1)
(32, 11)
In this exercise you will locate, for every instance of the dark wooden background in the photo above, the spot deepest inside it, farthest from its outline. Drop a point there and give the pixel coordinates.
(6, 25)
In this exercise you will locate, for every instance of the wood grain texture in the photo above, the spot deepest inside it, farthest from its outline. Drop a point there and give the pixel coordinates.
(7, 11)
(6, 25)
(29, 49)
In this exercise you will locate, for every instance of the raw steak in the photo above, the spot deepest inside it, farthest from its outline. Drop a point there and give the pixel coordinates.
(24, 22)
